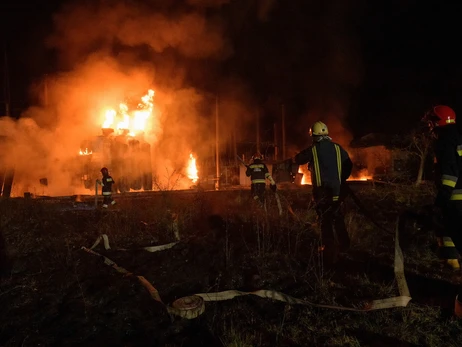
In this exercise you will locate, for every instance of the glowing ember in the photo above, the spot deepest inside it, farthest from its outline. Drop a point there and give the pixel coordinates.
(125, 120)
(362, 175)
(362, 178)
(192, 169)
(85, 152)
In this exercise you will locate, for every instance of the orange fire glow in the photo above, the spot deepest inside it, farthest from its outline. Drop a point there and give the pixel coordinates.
(133, 122)
(306, 179)
(192, 169)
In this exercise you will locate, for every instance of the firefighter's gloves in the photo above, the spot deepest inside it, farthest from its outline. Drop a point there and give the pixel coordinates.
(273, 188)
(99, 182)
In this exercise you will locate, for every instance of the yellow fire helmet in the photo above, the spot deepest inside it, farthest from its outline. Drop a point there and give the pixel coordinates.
(319, 129)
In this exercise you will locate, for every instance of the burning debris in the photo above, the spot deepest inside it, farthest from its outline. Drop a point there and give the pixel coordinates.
(121, 147)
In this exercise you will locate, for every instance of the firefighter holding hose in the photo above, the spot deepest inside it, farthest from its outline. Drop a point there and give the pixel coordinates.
(259, 173)
(106, 182)
(330, 166)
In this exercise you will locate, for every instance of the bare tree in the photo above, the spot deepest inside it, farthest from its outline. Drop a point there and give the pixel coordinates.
(419, 145)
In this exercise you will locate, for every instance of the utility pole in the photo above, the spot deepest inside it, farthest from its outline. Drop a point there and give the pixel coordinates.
(283, 125)
(258, 130)
(45, 90)
(275, 142)
(217, 146)
(6, 85)
(8, 171)
(235, 143)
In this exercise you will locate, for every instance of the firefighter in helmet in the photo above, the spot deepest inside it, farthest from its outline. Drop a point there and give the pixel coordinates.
(258, 173)
(330, 166)
(107, 182)
(441, 120)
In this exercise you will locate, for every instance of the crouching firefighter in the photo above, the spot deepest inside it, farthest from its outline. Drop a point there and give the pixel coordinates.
(448, 169)
(259, 173)
(330, 166)
(107, 182)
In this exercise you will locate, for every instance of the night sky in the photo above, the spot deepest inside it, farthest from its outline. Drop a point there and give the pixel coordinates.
(383, 62)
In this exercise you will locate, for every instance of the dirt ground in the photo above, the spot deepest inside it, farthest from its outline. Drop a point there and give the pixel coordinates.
(53, 293)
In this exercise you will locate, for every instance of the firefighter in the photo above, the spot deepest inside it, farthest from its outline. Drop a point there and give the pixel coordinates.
(448, 167)
(258, 173)
(107, 182)
(330, 166)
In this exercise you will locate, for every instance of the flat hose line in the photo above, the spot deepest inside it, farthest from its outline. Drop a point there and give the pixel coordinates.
(193, 306)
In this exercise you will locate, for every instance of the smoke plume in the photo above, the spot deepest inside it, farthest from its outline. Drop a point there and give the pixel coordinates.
(111, 51)
(99, 25)
(202, 58)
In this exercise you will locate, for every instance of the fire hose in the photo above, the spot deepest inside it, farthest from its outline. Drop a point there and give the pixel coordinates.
(193, 306)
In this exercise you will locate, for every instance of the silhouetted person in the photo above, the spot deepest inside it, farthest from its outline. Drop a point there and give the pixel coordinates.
(259, 173)
(107, 182)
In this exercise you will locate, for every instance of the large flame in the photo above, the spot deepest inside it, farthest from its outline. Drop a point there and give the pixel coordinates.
(131, 122)
(192, 169)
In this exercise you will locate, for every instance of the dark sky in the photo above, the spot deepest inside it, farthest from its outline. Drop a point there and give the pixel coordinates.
(384, 62)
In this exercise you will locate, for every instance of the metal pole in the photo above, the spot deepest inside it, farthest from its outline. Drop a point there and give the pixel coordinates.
(96, 194)
(258, 131)
(275, 142)
(235, 144)
(217, 147)
(8, 183)
(45, 90)
(283, 132)
(6, 85)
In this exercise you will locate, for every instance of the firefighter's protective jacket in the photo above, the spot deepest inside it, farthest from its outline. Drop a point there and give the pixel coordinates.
(329, 164)
(258, 173)
(448, 168)
(107, 183)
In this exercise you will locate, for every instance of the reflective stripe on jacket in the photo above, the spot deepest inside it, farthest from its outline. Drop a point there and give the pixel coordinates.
(448, 166)
(329, 164)
(107, 183)
(258, 173)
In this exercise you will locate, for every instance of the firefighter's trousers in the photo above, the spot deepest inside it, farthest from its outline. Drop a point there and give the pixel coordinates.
(258, 192)
(333, 229)
(107, 199)
(450, 236)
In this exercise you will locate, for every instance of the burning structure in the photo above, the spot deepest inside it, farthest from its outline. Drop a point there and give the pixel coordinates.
(121, 147)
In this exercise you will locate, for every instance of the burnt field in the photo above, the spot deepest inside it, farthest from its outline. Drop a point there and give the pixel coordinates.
(54, 293)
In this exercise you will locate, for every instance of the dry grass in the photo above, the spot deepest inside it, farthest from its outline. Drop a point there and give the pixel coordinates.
(244, 248)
